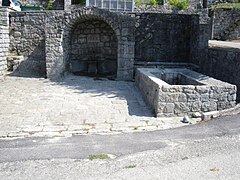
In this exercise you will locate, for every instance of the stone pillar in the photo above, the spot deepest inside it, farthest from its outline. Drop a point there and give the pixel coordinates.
(67, 5)
(4, 38)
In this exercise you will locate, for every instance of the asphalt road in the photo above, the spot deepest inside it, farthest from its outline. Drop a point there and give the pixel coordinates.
(210, 150)
(80, 147)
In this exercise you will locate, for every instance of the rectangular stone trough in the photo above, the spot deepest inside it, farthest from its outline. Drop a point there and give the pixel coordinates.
(180, 91)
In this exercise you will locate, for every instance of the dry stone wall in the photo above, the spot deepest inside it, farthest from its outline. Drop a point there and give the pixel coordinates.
(4, 38)
(226, 24)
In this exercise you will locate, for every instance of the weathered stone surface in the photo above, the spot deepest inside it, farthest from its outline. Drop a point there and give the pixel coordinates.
(181, 108)
(27, 38)
(4, 38)
(226, 24)
(93, 43)
(55, 42)
(160, 37)
(169, 108)
(206, 94)
(209, 106)
(224, 67)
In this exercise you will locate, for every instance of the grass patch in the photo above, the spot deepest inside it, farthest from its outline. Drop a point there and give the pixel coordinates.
(130, 166)
(98, 156)
(227, 5)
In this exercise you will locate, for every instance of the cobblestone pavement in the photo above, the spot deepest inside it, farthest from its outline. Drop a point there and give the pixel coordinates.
(75, 105)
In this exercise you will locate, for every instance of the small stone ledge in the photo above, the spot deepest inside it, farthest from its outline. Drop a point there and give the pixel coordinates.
(226, 112)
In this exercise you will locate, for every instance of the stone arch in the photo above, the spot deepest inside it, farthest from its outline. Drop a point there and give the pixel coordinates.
(93, 48)
(121, 25)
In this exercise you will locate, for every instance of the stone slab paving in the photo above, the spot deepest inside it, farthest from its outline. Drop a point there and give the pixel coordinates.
(74, 105)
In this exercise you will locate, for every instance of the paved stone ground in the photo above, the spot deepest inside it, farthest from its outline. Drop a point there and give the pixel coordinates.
(75, 105)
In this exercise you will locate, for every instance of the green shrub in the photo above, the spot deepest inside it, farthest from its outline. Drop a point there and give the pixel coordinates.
(181, 4)
(48, 5)
(173, 2)
(153, 2)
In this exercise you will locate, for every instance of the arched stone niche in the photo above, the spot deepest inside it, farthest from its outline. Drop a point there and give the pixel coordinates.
(93, 49)
(88, 37)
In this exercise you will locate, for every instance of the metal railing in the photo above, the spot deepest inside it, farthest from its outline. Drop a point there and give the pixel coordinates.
(112, 5)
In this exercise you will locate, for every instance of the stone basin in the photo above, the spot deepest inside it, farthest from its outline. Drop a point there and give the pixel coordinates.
(180, 91)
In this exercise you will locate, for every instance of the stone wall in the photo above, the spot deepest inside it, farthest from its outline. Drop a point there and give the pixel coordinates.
(177, 92)
(27, 38)
(93, 48)
(223, 64)
(59, 28)
(199, 39)
(4, 38)
(45, 39)
(164, 37)
(226, 24)
(58, 4)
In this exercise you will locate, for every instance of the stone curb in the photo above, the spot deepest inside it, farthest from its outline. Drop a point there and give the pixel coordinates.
(227, 112)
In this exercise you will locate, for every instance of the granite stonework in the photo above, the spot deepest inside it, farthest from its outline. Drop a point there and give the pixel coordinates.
(4, 38)
(226, 24)
(177, 92)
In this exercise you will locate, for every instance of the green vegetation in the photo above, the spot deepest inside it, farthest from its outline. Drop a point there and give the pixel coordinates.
(82, 2)
(48, 5)
(181, 4)
(150, 2)
(227, 5)
(130, 166)
(98, 156)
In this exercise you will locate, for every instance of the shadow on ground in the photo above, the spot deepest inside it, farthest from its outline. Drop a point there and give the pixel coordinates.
(97, 87)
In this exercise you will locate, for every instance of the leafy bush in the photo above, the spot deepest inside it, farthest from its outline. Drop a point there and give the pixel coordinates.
(137, 2)
(48, 5)
(153, 2)
(181, 4)
(173, 2)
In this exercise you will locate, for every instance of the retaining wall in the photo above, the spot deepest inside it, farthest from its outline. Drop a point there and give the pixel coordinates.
(223, 64)
(226, 23)
(164, 37)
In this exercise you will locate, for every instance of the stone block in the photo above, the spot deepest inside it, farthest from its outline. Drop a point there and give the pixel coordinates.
(209, 106)
(169, 108)
(193, 97)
